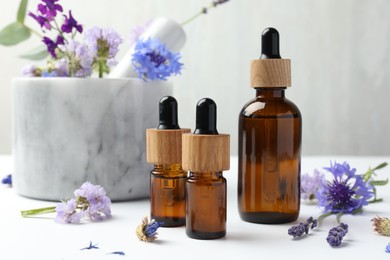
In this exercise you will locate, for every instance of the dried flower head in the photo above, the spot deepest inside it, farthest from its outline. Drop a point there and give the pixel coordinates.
(346, 193)
(336, 234)
(302, 228)
(147, 231)
(381, 225)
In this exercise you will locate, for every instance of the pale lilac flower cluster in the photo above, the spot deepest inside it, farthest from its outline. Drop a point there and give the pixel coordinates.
(104, 44)
(91, 202)
(310, 184)
(79, 58)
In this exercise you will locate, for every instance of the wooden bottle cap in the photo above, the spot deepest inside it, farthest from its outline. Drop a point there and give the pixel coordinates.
(164, 146)
(270, 73)
(203, 153)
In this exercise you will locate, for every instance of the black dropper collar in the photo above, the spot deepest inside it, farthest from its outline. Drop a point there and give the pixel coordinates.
(168, 113)
(270, 44)
(206, 117)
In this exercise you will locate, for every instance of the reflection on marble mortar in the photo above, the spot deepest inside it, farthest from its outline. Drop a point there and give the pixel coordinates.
(67, 131)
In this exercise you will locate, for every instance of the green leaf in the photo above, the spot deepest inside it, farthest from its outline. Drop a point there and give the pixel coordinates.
(380, 166)
(22, 11)
(379, 183)
(38, 53)
(13, 34)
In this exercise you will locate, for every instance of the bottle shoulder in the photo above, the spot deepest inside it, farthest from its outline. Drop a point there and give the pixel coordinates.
(276, 107)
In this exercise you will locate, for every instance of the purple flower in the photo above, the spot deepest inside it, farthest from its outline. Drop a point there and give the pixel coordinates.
(7, 180)
(346, 193)
(31, 71)
(67, 213)
(336, 234)
(310, 184)
(43, 22)
(302, 228)
(52, 46)
(104, 45)
(79, 58)
(71, 23)
(91, 202)
(58, 68)
(96, 199)
(152, 60)
(49, 9)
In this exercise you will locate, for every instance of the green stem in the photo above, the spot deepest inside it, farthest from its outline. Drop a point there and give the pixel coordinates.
(101, 68)
(34, 32)
(33, 212)
(338, 217)
(203, 11)
(322, 217)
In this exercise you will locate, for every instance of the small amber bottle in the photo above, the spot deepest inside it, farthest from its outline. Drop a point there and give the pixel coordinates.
(269, 144)
(206, 154)
(168, 179)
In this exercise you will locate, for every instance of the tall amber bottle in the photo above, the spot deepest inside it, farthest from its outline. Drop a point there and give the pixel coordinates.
(168, 179)
(269, 144)
(206, 154)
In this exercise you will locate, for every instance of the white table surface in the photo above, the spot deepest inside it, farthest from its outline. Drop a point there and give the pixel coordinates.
(42, 238)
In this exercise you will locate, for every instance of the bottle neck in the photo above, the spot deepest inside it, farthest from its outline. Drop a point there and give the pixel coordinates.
(274, 92)
(168, 168)
(206, 175)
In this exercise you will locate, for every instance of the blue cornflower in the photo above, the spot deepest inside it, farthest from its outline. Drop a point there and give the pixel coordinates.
(91, 246)
(7, 180)
(388, 248)
(302, 228)
(346, 193)
(147, 231)
(152, 60)
(336, 234)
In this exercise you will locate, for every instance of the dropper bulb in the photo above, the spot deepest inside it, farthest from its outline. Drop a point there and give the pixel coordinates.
(206, 117)
(270, 44)
(168, 113)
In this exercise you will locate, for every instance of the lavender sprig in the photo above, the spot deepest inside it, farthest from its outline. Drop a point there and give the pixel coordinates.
(302, 228)
(336, 234)
(204, 10)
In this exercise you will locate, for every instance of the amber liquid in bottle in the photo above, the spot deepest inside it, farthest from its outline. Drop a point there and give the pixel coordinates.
(269, 158)
(206, 205)
(168, 195)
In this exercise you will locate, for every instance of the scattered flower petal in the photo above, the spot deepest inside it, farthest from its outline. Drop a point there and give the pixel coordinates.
(91, 246)
(7, 180)
(117, 253)
(147, 231)
(388, 248)
(382, 225)
(336, 234)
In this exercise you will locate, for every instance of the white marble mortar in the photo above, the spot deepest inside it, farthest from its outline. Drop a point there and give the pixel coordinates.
(67, 131)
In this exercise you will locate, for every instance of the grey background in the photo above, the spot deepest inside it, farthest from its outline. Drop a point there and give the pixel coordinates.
(340, 62)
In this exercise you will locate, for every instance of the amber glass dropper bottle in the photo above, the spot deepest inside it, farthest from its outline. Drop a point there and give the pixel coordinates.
(269, 144)
(206, 154)
(168, 179)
